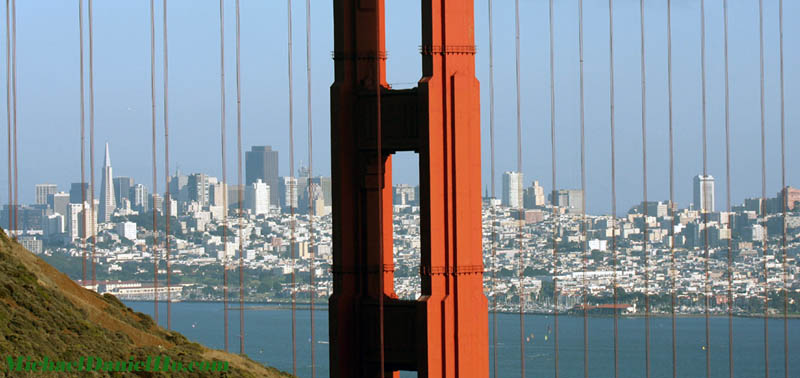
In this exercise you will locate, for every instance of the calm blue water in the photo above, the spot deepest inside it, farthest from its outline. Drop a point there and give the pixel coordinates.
(268, 340)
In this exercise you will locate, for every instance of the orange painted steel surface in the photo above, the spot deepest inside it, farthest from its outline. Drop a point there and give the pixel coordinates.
(444, 333)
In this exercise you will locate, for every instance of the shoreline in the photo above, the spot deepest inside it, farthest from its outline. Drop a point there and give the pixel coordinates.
(255, 306)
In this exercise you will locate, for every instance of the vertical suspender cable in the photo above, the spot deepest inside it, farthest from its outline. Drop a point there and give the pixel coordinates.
(83, 145)
(292, 188)
(8, 120)
(584, 224)
(167, 200)
(239, 173)
(92, 212)
(155, 171)
(613, 183)
(311, 209)
(14, 100)
(764, 187)
(785, 204)
(380, 181)
(556, 223)
(519, 224)
(644, 196)
(701, 205)
(491, 206)
(671, 209)
(728, 193)
(224, 171)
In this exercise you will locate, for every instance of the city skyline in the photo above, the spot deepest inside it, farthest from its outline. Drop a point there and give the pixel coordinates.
(122, 94)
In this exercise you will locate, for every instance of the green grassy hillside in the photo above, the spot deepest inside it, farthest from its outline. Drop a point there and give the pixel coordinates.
(43, 313)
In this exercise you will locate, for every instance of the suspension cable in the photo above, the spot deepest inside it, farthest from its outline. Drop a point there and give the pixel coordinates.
(241, 186)
(8, 120)
(224, 171)
(784, 202)
(556, 217)
(764, 187)
(584, 222)
(493, 216)
(167, 200)
(644, 196)
(613, 184)
(518, 207)
(93, 217)
(311, 209)
(14, 100)
(83, 147)
(292, 185)
(671, 209)
(728, 192)
(702, 205)
(155, 171)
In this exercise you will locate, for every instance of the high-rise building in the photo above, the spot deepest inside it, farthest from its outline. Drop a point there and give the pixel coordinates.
(789, 196)
(512, 189)
(127, 230)
(139, 198)
(704, 193)
(289, 192)
(216, 194)
(197, 188)
(53, 225)
(257, 197)
(77, 191)
(325, 184)
(74, 218)
(233, 196)
(261, 162)
(404, 194)
(178, 187)
(107, 200)
(122, 189)
(569, 199)
(157, 201)
(534, 196)
(44, 190)
(58, 202)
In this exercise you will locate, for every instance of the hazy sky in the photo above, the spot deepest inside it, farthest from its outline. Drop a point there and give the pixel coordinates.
(48, 90)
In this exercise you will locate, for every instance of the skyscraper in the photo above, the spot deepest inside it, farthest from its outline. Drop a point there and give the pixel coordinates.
(77, 190)
(261, 162)
(216, 194)
(534, 196)
(404, 194)
(73, 225)
(197, 188)
(44, 190)
(289, 193)
(107, 200)
(257, 197)
(569, 199)
(704, 193)
(122, 189)
(178, 187)
(139, 198)
(512, 189)
(58, 202)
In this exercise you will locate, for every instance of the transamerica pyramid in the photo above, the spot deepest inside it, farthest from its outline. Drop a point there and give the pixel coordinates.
(107, 202)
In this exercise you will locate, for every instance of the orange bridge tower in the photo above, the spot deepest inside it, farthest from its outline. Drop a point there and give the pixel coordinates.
(444, 333)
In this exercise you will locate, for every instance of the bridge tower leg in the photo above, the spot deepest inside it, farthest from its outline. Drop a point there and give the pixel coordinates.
(444, 333)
